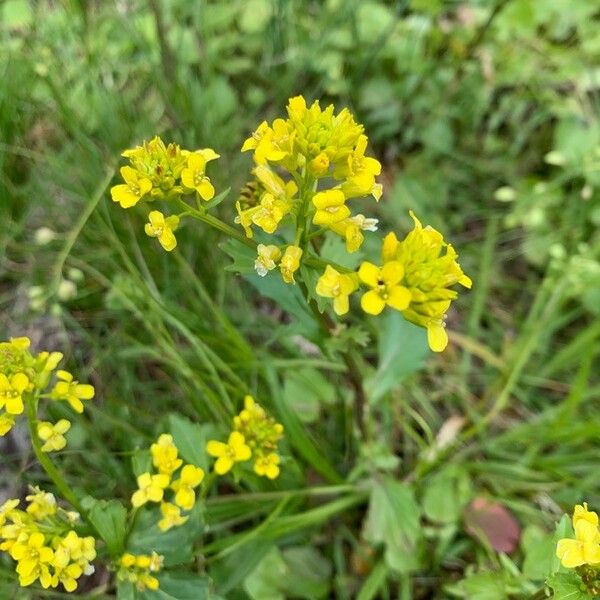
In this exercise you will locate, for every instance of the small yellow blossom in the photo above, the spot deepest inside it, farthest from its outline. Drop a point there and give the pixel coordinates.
(53, 434)
(331, 207)
(41, 504)
(338, 286)
(386, 288)
(164, 455)
(151, 488)
(33, 558)
(583, 550)
(351, 230)
(319, 166)
(171, 516)
(189, 478)
(290, 263)
(266, 260)
(162, 228)
(235, 450)
(128, 194)
(11, 392)
(272, 144)
(359, 173)
(267, 466)
(193, 176)
(72, 391)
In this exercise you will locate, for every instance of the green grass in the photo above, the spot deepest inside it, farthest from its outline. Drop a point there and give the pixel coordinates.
(457, 105)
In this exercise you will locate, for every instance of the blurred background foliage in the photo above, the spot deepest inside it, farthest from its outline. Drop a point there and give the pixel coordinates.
(486, 118)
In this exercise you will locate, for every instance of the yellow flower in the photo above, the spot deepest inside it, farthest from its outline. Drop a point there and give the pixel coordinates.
(267, 466)
(386, 288)
(52, 435)
(359, 173)
(164, 455)
(72, 559)
(72, 391)
(272, 144)
(171, 516)
(338, 286)
(193, 176)
(11, 392)
(319, 166)
(275, 202)
(162, 228)
(427, 274)
(41, 504)
(235, 450)
(189, 478)
(151, 488)
(583, 550)
(266, 259)
(290, 263)
(6, 510)
(331, 207)
(33, 557)
(136, 186)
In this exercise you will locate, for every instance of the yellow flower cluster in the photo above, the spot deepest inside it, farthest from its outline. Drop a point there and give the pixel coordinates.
(414, 278)
(153, 486)
(138, 569)
(24, 376)
(585, 548)
(42, 542)
(312, 144)
(255, 435)
(160, 172)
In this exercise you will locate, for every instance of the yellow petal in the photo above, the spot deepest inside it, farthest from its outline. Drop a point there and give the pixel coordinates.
(223, 465)
(372, 303)
(437, 337)
(392, 272)
(341, 305)
(206, 189)
(570, 554)
(399, 297)
(215, 448)
(369, 274)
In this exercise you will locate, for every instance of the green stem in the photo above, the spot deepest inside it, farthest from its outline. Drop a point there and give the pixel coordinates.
(61, 485)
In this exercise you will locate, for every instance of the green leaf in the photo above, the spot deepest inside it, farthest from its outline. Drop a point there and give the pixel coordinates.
(179, 586)
(540, 551)
(305, 390)
(568, 586)
(255, 15)
(446, 494)
(190, 439)
(176, 545)
(126, 590)
(402, 349)
(393, 520)
(297, 572)
(481, 586)
(110, 520)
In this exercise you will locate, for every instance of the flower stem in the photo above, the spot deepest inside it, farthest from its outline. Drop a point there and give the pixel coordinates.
(61, 485)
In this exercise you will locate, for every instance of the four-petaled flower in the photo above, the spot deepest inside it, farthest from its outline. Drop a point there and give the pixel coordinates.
(164, 455)
(290, 263)
(128, 194)
(193, 175)
(331, 207)
(585, 548)
(151, 488)
(11, 392)
(266, 260)
(72, 391)
(235, 450)
(267, 466)
(189, 478)
(338, 286)
(53, 434)
(171, 516)
(386, 288)
(162, 228)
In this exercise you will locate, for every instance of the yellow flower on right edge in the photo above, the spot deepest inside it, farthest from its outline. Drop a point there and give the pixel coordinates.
(585, 548)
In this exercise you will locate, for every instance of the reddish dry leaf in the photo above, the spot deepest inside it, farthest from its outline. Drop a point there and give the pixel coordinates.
(493, 522)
